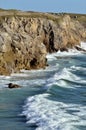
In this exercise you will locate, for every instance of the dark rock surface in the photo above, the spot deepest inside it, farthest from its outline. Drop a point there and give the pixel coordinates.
(11, 85)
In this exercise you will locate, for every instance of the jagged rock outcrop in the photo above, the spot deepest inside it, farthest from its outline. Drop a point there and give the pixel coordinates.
(72, 32)
(25, 38)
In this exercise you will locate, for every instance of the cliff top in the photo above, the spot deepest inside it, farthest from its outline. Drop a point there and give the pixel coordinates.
(32, 14)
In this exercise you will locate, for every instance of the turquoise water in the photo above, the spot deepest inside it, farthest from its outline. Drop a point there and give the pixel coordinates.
(50, 99)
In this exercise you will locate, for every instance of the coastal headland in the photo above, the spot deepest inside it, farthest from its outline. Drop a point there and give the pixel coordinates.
(27, 37)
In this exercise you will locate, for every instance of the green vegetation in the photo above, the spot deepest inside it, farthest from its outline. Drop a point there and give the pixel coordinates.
(79, 17)
(56, 17)
(16, 13)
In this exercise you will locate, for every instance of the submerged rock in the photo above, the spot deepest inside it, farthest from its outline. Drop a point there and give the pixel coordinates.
(11, 85)
(80, 49)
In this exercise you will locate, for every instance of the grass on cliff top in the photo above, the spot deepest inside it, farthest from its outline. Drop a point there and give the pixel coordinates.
(79, 17)
(28, 14)
(56, 17)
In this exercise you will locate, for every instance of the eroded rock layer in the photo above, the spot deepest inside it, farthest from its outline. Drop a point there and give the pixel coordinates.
(26, 37)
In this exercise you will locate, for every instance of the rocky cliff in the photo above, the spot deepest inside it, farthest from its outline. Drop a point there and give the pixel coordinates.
(26, 37)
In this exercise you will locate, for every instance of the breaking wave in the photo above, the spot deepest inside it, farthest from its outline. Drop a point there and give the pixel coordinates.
(62, 107)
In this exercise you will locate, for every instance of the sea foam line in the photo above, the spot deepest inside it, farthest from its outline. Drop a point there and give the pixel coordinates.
(53, 115)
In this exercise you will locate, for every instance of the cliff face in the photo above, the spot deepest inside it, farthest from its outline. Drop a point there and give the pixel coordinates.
(25, 38)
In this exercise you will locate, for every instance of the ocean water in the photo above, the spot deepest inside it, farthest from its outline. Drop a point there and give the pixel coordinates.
(49, 99)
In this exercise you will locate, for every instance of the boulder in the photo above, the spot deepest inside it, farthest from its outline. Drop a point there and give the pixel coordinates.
(11, 85)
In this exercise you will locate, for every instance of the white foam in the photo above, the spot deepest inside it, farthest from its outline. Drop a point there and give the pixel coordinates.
(71, 52)
(60, 77)
(4, 77)
(53, 115)
(65, 74)
(83, 45)
(77, 68)
(51, 57)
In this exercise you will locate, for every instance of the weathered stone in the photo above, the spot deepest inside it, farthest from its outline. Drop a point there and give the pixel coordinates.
(25, 38)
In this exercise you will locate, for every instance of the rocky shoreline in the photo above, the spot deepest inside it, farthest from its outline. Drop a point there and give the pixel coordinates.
(27, 37)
